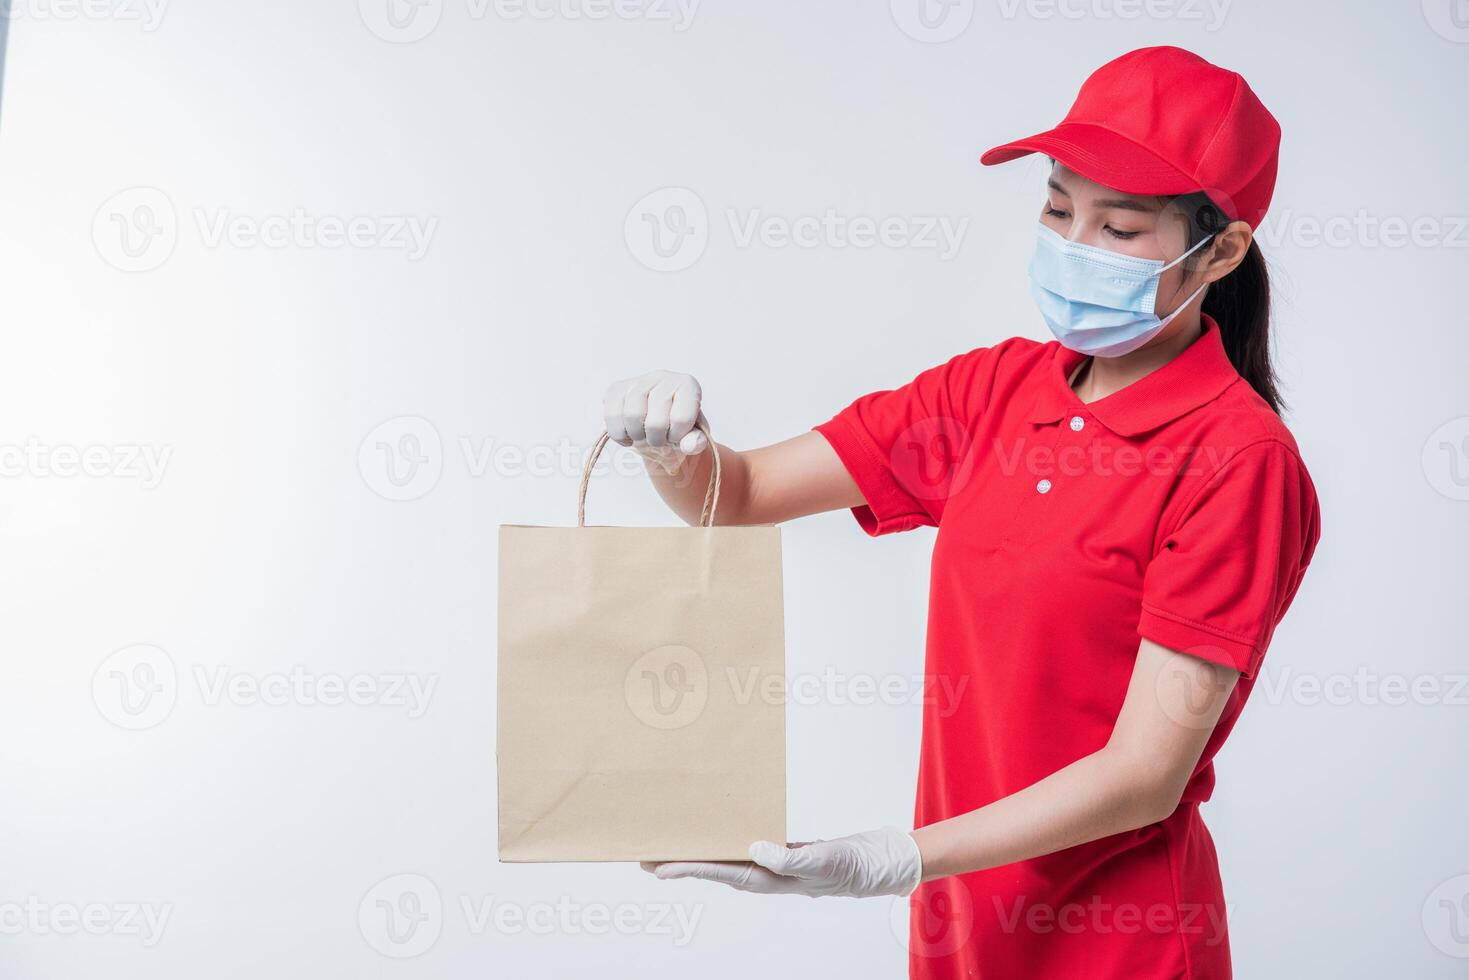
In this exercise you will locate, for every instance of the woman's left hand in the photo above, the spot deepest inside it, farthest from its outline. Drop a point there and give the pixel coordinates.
(879, 862)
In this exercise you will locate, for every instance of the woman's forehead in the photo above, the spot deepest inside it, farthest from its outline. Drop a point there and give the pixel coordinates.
(1069, 182)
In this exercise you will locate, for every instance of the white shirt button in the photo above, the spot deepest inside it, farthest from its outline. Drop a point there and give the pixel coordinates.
(1043, 487)
(1077, 423)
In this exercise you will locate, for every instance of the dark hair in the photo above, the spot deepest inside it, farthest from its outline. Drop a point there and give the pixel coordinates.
(1239, 303)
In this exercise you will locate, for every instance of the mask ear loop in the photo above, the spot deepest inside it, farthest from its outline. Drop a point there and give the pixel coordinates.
(1202, 242)
(1181, 306)
(1195, 294)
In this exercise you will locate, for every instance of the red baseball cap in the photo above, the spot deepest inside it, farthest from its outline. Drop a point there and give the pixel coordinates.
(1164, 121)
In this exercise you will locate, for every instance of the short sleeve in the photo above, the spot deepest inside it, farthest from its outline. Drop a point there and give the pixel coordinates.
(907, 447)
(1225, 573)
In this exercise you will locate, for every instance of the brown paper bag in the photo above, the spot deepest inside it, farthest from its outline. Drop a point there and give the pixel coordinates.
(636, 669)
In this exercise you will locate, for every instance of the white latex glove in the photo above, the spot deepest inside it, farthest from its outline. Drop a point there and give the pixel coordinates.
(879, 862)
(656, 414)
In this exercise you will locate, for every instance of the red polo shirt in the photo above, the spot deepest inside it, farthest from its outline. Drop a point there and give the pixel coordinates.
(1177, 509)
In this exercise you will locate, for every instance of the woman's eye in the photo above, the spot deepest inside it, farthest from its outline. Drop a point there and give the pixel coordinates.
(1123, 235)
(1056, 212)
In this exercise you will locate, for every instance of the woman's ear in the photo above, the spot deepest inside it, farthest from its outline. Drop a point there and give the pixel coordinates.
(1227, 250)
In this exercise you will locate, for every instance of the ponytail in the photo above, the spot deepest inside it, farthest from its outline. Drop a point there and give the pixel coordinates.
(1239, 303)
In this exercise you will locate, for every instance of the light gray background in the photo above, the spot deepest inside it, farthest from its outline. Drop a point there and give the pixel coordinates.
(268, 541)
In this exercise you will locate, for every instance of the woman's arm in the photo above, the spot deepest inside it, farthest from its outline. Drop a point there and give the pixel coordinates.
(1173, 702)
(790, 479)
(657, 414)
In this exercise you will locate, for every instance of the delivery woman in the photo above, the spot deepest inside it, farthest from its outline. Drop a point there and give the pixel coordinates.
(1122, 521)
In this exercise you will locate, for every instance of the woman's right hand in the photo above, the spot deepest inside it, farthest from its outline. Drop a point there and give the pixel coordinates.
(657, 414)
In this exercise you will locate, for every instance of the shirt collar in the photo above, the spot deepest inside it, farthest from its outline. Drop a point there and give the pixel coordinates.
(1193, 378)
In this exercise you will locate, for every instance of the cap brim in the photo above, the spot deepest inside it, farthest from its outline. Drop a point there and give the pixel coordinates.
(1101, 155)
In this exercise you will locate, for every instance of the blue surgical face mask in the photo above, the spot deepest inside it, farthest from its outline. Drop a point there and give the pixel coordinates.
(1096, 301)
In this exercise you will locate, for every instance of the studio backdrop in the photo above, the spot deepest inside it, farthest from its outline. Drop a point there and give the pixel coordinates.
(302, 301)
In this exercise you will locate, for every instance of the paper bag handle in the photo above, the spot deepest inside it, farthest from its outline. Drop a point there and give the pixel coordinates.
(711, 495)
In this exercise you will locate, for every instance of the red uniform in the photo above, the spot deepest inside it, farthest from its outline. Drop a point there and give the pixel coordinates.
(1177, 509)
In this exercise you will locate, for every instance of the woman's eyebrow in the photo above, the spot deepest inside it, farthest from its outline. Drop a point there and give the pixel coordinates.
(1127, 204)
(1051, 183)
